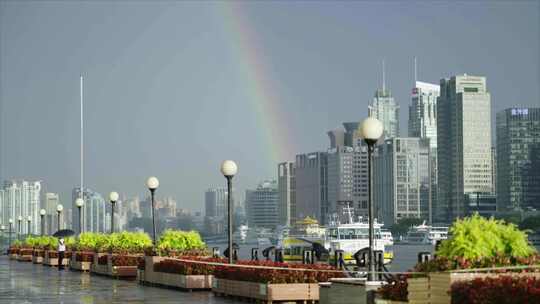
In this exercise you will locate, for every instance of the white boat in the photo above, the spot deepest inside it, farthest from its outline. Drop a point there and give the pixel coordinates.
(349, 237)
(425, 234)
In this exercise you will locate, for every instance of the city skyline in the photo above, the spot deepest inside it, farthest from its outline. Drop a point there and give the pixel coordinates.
(161, 122)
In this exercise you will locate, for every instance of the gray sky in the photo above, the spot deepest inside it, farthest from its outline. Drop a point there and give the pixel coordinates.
(172, 88)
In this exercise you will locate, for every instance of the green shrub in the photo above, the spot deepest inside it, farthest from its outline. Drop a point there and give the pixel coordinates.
(476, 237)
(178, 241)
(31, 241)
(128, 242)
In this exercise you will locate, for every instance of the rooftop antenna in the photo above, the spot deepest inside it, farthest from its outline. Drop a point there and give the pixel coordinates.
(415, 71)
(383, 77)
(82, 143)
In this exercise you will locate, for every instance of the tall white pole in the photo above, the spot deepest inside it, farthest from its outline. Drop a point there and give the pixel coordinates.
(81, 189)
(82, 140)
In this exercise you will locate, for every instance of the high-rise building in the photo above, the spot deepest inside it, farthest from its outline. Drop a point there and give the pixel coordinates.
(463, 143)
(386, 109)
(402, 187)
(423, 124)
(21, 198)
(287, 194)
(262, 205)
(52, 200)
(93, 211)
(494, 170)
(311, 186)
(215, 202)
(518, 147)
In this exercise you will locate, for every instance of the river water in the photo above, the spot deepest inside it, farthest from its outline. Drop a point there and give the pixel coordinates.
(405, 255)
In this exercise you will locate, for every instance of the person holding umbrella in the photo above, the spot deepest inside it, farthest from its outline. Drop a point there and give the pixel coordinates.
(61, 252)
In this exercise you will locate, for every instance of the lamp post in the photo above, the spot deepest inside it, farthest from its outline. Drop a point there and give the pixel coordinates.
(19, 220)
(229, 169)
(79, 202)
(371, 130)
(42, 213)
(113, 197)
(9, 235)
(153, 183)
(29, 218)
(59, 209)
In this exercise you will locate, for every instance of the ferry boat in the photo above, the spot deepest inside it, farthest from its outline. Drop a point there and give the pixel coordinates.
(349, 237)
(425, 234)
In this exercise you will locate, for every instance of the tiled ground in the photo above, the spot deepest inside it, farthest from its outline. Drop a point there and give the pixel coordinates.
(30, 283)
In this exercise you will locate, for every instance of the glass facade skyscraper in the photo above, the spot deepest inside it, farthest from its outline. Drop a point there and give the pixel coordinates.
(518, 150)
(386, 109)
(463, 144)
(402, 187)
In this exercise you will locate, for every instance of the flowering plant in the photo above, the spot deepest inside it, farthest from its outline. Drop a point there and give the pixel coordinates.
(313, 273)
(187, 268)
(84, 256)
(503, 289)
(125, 260)
(103, 260)
(395, 289)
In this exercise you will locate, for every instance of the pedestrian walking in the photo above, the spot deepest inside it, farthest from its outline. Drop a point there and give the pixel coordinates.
(61, 252)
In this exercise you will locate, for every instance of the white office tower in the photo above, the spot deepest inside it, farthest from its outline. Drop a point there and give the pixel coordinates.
(423, 123)
(287, 194)
(262, 205)
(21, 198)
(463, 143)
(386, 109)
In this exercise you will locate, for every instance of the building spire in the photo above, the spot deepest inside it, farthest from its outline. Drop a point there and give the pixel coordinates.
(415, 72)
(383, 77)
(82, 142)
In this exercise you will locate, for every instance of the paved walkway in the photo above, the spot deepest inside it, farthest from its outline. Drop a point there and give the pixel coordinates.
(33, 283)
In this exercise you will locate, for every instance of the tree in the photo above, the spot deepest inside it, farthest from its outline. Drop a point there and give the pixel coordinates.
(403, 225)
(530, 223)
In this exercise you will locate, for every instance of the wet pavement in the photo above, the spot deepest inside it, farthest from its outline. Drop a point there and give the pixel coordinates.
(23, 282)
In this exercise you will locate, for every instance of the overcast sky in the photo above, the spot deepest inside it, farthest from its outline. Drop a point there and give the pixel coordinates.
(173, 88)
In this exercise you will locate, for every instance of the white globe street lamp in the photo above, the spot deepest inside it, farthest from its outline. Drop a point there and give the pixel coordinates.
(371, 130)
(229, 170)
(42, 213)
(59, 209)
(79, 202)
(153, 183)
(113, 198)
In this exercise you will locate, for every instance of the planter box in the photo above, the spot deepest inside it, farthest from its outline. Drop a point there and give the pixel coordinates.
(37, 259)
(110, 270)
(13, 256)
(78, 265)
(190, 282)
(267, 292)
(24, 258)
(381, 301)
(418, 289)
(435, 289)
(53, 261)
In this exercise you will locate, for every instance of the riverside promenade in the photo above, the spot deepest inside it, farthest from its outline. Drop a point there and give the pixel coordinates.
(34, 283)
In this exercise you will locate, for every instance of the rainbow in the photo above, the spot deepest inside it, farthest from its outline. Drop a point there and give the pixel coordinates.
(259, 83)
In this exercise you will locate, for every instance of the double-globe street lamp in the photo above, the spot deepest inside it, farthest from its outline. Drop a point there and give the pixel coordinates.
(371, 130)
(59, 209)
(113, 198)
(229, 169)
(42, 213)
(153, 183)
(79, 202)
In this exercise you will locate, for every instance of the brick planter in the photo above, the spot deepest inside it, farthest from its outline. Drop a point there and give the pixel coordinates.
(266, 292)
(79, 265)
(53, 261)
(111, 270)
(418, 290)
(174, 280)
(37, 256)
